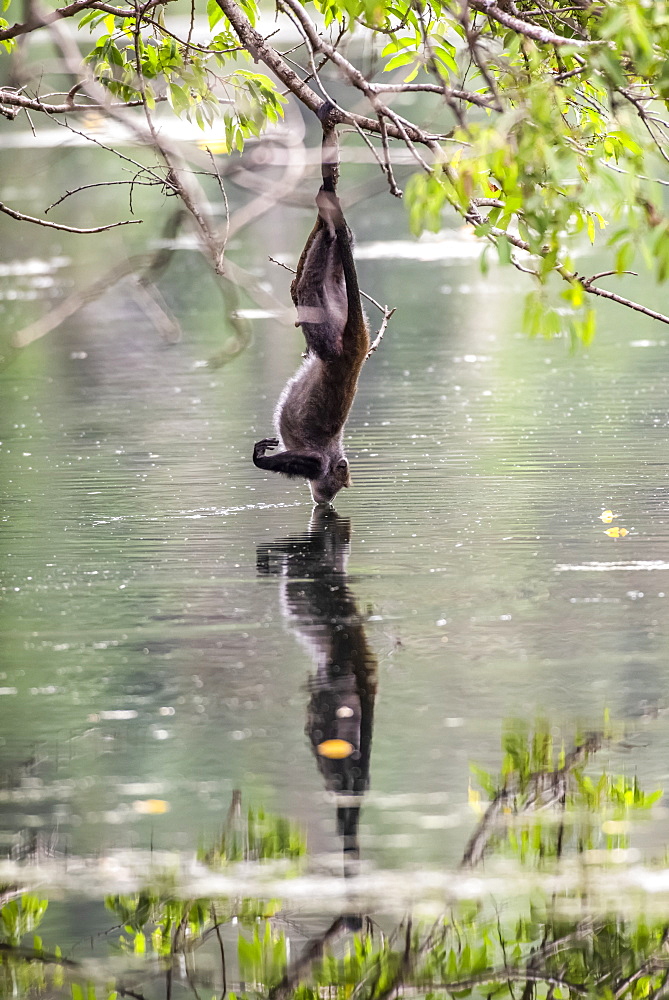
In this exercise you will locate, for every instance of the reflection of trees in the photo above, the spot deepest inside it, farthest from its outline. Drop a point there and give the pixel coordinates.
(321, 609)
(547, 941)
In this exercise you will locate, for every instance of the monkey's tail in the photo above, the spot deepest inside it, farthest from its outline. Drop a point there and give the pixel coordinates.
(330, 149)
(330, 172)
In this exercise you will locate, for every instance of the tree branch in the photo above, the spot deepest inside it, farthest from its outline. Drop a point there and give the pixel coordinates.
(526, 28)
(571, 276)
(19, 101)
(432, 88)
(43, 18)
(20, 217)
(261, 51)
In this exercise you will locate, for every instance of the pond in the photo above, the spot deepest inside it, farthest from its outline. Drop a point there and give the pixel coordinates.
(190, 651)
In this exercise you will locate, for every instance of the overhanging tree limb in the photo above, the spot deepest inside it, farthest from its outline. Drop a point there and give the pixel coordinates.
(262, 51)
(42, 18)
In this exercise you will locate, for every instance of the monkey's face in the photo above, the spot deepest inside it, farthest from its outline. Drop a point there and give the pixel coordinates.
(326, 487)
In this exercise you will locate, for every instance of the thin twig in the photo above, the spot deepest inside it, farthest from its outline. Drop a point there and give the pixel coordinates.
(105, 184)
(388, 167)
(433, 88)
(221, 188)
(387, 313)
(42, 18)
(21, 217)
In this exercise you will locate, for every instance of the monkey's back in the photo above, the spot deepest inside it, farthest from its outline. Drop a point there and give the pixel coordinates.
(316, 402)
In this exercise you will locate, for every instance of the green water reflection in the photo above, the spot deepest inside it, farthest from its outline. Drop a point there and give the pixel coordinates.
(172, 622)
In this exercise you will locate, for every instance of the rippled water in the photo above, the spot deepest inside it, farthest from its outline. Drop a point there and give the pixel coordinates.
(170, 614)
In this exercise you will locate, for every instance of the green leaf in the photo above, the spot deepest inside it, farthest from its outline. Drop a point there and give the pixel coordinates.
(503, 250)
(400, 60)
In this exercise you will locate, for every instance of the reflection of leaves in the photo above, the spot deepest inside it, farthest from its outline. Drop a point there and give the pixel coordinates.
(546, 947)
(20, 917)
(257, 836)
(543, 802)
(262, 960)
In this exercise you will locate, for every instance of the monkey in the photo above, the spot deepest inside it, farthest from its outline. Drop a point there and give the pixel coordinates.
(314, 405)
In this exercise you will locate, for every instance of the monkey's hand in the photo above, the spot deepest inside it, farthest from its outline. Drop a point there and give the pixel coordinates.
(260, 447)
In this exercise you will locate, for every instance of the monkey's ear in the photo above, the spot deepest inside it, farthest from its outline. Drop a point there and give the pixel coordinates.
(342, 468)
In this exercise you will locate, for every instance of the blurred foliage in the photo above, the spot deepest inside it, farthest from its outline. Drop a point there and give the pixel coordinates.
(547, 943)
(545, 122)
(544, 803)
(254, 836)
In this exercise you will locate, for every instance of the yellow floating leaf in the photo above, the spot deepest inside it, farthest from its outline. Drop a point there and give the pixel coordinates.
(607, 516)
(151, 807)
(616, 532)
(335, 749)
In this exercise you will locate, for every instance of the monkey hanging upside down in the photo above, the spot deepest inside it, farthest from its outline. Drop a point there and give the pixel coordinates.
(316, 401)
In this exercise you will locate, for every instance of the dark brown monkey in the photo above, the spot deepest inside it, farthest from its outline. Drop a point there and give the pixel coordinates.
(316, 401)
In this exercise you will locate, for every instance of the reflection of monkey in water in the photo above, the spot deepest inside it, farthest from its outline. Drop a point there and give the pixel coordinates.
(322, 611)
(314, 405)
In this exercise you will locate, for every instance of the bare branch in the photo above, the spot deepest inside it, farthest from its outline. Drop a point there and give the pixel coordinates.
(104, 184)
(621, 300)
(433, 88)
(21, 217)
(387, 165)
(387, 313)
(20, 102)
(41, 19)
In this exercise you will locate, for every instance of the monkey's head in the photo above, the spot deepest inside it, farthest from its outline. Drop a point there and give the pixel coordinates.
(336, 475)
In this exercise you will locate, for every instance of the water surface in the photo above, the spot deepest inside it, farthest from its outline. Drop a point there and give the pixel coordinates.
(178, 626)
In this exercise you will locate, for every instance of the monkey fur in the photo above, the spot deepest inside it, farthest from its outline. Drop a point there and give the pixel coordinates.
(314, 405)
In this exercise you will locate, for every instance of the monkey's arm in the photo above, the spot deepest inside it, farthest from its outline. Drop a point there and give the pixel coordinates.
(290, 463)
